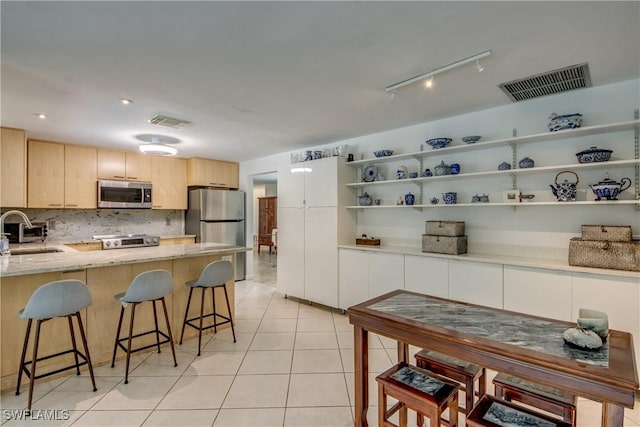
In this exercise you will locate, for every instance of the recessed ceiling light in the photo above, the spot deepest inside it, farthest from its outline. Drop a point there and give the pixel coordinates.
(41, 116)
(126, 101)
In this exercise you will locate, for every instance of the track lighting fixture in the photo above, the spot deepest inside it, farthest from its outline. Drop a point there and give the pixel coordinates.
(396, 86)
(429, 83)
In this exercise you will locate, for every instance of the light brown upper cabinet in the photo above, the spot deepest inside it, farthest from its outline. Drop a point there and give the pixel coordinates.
(114, 164)
(45, 166)
(212, 173)
(169, 179)
(80, 177)
(13, 168)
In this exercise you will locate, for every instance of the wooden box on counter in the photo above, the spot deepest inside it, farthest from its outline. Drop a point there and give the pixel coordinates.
(452, 245)
(368, 242)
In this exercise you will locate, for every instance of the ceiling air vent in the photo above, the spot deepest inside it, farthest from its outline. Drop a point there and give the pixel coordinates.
(549, 83)
(168, 121)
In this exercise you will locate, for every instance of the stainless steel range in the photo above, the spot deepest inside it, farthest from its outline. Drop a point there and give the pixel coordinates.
(123, 241)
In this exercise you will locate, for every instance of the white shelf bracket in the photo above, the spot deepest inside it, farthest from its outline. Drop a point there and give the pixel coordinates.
(636, 150)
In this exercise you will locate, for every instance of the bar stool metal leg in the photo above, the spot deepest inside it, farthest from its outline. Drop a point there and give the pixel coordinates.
(75, 347)
(186, 313)
(33, 363)
(226, 297)
(86, 350)
(24, 354)
(133, 313)
(201, 317)
(213, 298)
(166, 318)
(155, 320)
(115, 346)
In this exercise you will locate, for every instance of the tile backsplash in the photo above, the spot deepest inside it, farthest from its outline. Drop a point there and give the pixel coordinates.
(81, 224)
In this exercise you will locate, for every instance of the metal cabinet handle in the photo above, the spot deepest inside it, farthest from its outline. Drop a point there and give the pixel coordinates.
(55, 204)
(118, 176)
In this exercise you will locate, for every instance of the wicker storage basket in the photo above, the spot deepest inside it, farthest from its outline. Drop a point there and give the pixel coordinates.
(610, 233)
(444, 228)
(452, 245)
(599, 254)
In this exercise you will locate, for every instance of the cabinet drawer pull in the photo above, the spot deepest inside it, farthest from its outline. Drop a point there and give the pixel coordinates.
(55, 204)
(156, 206)
(118, 176)
(132, 177)
(71, 204)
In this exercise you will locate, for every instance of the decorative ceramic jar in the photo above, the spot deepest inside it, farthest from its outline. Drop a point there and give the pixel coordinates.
(475, 199)
(380, 177)
(484, 198)
(442, 169)
(565, 191)
(409, 199)
(427, 172)
(526, 163)
(454, 169)
(594, 154)
(413, 174)
(566, 121)
(434, 200)
(609, 189)
(504, 166)
(450, 198)
(401, 172)
(364, 199)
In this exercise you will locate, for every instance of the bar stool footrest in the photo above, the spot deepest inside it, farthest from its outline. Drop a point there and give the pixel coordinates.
(155, 344)
(215, 323)
(57, 371)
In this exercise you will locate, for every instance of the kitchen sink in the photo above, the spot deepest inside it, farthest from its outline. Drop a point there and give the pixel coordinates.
(34, 251)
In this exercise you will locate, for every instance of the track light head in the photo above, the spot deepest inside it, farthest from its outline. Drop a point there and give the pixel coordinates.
(478, 66)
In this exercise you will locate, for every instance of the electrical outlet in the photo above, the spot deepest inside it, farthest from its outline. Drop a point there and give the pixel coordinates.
(51, 225)
(167, 221)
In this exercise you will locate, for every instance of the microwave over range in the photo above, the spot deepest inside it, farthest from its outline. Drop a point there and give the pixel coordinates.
(124, 194)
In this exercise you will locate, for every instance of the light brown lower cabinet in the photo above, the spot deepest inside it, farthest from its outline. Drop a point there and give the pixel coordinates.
(101, 317)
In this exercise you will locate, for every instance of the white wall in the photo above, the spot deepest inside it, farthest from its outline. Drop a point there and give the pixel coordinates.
(536, 231)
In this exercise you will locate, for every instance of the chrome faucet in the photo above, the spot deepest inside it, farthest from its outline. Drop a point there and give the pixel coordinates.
(4, 243)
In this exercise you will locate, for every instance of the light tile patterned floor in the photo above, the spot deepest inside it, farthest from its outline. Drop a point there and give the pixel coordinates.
(292, 365)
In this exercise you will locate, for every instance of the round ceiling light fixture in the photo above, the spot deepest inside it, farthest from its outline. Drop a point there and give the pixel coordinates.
(158, 145)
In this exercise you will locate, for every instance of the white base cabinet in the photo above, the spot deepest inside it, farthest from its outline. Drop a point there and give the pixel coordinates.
(476, 283)
(365, 274)
(427, 275)
(538, 292)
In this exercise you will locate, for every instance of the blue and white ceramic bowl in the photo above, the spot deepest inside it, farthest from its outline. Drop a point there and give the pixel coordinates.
(566, 121)
(471, 139)
(594, 154)
(383, 153)
(438, 142)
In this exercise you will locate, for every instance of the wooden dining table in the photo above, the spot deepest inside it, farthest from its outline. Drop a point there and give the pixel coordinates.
(526, 346)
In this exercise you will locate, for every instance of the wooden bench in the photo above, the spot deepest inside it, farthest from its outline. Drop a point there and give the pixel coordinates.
(458, 370)
(424, 392)
(491, 411)
(546, 398)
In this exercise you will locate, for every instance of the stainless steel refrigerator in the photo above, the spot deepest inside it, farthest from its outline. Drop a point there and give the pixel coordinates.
(217, 216)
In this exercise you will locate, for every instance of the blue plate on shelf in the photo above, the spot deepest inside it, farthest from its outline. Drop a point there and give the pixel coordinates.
(369, 173)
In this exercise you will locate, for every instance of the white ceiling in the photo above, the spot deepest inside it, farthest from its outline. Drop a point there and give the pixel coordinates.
(258, 78)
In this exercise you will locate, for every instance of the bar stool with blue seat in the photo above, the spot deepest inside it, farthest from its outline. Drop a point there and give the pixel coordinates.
(62, 298)
(152, 285)
(214, 275)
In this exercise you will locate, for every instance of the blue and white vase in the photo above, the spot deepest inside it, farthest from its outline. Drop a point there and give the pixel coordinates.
(409, 199)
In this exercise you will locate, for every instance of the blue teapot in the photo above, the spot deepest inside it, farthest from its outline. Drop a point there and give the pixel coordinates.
(364, 199)
(409, 199)
(450, 198)
(565, 191)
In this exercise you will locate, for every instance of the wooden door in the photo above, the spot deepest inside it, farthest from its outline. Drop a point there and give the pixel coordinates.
(267, 221)
(13, 168)
(80, 177)
(46, 174)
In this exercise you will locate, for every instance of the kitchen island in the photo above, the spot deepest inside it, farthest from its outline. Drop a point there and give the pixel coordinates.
(106, 274)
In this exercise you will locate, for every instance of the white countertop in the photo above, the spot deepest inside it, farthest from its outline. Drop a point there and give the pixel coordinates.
(551, 264)
(70, 259)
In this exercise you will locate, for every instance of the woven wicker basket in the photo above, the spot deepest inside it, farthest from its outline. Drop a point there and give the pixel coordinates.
(444, 228)
(601, 254)
(610, 233)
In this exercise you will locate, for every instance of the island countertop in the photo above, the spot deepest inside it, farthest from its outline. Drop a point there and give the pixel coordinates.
(69, 259)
